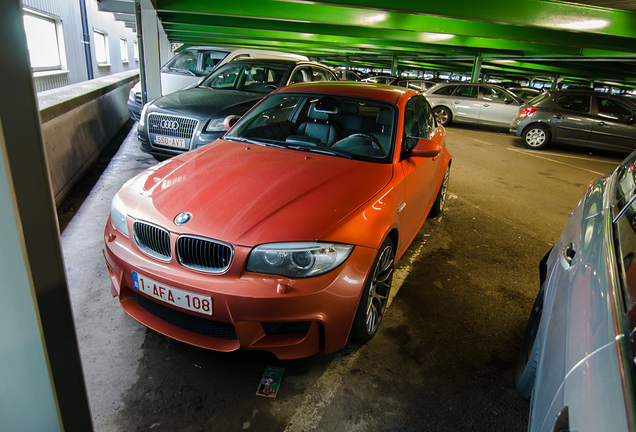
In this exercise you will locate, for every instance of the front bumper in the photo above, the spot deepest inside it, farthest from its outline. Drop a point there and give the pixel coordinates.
(292, 318)
(199, 140)
(134, 108)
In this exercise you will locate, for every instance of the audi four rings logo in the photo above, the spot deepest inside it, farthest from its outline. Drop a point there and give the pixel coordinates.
(169, 124)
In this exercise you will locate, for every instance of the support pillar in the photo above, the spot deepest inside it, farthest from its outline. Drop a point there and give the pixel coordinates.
(41, 379)
(474, 75)
(150, 39)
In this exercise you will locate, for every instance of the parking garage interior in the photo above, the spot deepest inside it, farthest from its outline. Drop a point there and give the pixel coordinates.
(587, 44)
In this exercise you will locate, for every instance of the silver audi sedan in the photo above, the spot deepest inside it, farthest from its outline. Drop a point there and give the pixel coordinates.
(577, 357)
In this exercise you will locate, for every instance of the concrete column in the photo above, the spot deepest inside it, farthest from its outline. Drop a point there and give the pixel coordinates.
(150, 38)
(394, 67)
(41, 380)
(474, 75)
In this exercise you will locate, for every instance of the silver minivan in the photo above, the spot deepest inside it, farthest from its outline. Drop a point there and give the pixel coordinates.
(473, 103)
(577, 356)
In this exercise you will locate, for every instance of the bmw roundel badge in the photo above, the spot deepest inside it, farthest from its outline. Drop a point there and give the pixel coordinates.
(182, 218)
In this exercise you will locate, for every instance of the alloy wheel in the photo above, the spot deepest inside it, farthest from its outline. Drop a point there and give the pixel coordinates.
(379, 289)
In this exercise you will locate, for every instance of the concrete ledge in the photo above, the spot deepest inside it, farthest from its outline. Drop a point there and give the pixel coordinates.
(78, 121)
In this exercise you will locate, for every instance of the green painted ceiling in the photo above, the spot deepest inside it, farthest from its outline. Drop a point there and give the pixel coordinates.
(521, 38)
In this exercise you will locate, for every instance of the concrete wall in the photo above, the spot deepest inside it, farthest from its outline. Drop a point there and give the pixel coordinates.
(78, 121)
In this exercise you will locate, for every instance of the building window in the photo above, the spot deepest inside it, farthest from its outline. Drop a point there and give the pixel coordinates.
(123, 48)
(44, 41)
(135, 51)
(101, 48)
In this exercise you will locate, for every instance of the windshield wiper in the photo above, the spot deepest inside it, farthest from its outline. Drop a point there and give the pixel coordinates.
(183, 71)
(249, 141)
(321, 150)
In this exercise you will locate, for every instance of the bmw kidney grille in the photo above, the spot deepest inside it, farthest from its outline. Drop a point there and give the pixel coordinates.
(196, 253)
(152, 240)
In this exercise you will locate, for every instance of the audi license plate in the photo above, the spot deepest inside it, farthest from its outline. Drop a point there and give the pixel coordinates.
(169, 141)
(173, 296)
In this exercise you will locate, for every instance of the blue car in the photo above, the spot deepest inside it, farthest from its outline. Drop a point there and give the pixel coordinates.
(577, 357)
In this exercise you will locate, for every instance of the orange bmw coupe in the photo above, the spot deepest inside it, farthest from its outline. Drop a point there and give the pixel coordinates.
(283, 234)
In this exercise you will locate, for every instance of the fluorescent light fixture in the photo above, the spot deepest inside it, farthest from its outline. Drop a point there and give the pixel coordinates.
(573, 24)
(370, 20)
(435, 37)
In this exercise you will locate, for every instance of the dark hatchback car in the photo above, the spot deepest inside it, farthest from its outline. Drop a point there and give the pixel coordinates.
(579, 117)
(192, 117)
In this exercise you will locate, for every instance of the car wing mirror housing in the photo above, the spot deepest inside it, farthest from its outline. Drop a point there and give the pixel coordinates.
(424, 147)
(230, 121)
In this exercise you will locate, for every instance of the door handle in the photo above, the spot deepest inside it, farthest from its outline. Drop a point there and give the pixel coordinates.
(486, 105)
(569, 252)
(602, 124)
(559, 116)
(562, 421)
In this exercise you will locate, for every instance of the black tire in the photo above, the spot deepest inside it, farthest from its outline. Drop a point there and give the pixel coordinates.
(536, 137)
(443, 115)
(442, 194)
(527, 363)
(375, 295)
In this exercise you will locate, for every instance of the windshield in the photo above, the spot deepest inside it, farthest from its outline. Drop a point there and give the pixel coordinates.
(262, 78)
(194, 62)
(337, 125)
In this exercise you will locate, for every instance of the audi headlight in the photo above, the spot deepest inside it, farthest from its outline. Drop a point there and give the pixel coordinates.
(216, 125)
(118, 215)
(142, 116)
(297, 259)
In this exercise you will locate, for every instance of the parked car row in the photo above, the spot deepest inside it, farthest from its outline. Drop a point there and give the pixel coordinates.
(189, 118)
(194, 63)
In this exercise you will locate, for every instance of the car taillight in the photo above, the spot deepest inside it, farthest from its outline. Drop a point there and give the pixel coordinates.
(527, 112)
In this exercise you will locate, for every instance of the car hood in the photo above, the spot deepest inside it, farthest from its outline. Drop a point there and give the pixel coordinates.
(206, 102)
(248, 194)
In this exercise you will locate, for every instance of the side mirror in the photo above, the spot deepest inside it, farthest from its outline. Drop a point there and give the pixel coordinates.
(230, 121)
(425, 148)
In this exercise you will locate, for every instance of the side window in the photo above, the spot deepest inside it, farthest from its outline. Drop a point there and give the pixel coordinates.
(575, 103)
(467, 91)
(493, 94)
(320, 75)
(300, 75)
(614, 110)
(446, 90)
(429, 119)
(414, 122)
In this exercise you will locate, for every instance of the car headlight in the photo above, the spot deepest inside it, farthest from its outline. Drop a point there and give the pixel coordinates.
(215, 125)
(118, 215)
(131, 95)
(142, 116)
(297, 259)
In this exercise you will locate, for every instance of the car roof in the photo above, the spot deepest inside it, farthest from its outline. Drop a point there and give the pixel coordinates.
(592, 93)
(360, 89)
(279, 61)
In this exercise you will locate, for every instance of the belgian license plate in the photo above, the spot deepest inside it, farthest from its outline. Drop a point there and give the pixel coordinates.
(173, 296)
(169, 141)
